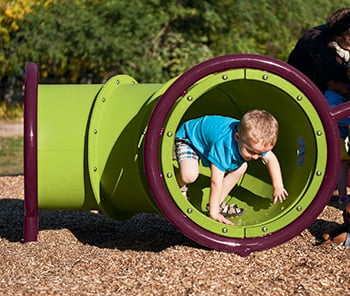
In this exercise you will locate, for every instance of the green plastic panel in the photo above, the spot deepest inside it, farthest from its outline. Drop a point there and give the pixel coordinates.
(63, 114)
(115, 138)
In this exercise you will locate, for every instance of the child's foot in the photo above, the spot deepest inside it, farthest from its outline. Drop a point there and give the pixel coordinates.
(229, 210)
(184, 191)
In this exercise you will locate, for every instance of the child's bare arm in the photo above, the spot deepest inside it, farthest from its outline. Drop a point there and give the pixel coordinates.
(273, 166)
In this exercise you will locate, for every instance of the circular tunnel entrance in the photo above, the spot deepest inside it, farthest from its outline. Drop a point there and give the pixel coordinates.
(230, 86)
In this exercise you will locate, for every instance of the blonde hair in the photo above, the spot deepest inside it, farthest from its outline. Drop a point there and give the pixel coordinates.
(258, 125)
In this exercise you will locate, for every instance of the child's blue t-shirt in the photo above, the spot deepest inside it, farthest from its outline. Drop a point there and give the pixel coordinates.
(333, 98)
(212, 137)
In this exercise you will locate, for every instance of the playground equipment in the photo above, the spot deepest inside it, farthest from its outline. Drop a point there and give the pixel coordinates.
(110, 147)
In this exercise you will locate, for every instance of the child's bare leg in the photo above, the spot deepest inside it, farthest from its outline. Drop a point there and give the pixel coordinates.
(231, 179)
(188, 171)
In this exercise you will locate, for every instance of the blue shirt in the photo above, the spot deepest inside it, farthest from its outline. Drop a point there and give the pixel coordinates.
(333, 98)
(212, 137)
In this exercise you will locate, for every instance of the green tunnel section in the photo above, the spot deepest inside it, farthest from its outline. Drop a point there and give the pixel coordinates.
(118, 124)
(89, 143)
(90, 148)
(63, 113)
(301, 149)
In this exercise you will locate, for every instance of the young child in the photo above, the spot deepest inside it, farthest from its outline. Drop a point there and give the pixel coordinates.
(225, 145)
(336, 95)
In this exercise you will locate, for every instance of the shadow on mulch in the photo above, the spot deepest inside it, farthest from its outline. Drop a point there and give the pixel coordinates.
(142, 232)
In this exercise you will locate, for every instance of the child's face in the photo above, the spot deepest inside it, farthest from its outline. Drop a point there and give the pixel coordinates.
(250, 151)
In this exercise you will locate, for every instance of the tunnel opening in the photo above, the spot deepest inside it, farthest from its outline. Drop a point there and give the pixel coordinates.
(301, 150)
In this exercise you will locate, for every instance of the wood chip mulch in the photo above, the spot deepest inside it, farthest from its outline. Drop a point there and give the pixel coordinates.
(85, 253)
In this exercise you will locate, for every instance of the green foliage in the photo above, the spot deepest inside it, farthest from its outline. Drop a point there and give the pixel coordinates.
(87, 41)
(269, 27)
(68, 41)
(75, 42)
(9, 111)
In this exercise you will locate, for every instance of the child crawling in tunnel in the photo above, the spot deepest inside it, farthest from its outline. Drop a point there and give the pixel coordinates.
(225, 145)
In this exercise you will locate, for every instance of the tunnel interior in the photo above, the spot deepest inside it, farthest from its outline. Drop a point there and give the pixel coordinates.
(301, 149)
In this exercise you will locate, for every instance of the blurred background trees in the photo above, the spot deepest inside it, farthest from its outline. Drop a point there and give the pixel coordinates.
(87, 41)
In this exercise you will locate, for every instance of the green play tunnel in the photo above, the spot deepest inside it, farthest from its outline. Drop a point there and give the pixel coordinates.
(226, 94)
(110, 147)
(89, 139)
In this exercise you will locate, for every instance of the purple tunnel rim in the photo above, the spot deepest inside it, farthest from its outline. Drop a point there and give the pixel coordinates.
(241, 246)
(31, 212)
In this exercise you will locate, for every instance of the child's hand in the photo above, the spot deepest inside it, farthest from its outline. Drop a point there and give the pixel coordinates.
(279, 194)
(220, 218)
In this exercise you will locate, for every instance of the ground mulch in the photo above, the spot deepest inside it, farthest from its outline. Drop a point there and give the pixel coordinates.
(85, 253)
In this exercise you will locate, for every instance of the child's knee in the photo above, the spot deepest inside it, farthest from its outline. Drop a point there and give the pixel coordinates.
(188, 170)
(189, 176)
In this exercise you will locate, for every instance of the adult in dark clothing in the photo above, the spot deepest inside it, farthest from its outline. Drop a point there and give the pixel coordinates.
(322, 53)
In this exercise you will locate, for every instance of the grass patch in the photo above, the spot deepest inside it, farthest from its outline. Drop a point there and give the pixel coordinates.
(11, 156)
